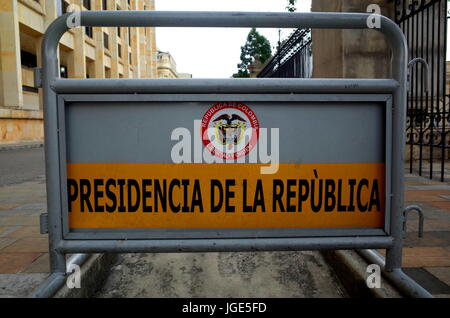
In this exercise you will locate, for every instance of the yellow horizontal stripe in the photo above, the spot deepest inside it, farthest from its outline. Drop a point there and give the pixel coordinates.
(250, 173)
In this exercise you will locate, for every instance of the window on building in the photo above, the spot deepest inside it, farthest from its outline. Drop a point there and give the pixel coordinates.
(105, 4)
(105, 41)
(63, 71)
(118, 32)
(64, 6)
(129, 36)
(28, 59)
(119, 50)
(30, 89)
(87, 4)
(129, 58)
(107, 72)
(89, 32)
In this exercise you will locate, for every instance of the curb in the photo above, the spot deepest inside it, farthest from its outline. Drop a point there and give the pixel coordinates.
(350, 268)
(24, 145)
(93, 273)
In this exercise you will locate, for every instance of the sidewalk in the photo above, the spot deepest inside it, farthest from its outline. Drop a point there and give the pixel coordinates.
(24, 262)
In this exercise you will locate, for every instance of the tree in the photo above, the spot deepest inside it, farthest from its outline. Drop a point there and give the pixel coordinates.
(256, 46)
(291, 5)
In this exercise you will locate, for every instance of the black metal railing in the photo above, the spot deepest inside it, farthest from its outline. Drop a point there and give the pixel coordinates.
(293, 59)
(424, 23)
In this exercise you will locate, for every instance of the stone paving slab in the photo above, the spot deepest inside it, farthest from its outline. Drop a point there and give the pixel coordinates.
(429, 281)
(27, 245)
(5, 230)
(425, 195)
(431, 239)
(21, 220)
(14, 263)
(427, 259)
(13, 285)
(5, 242)
(39, 265)
(24, 262)
(442, 205)
(429, 226)
(442, 273)
(4, 206)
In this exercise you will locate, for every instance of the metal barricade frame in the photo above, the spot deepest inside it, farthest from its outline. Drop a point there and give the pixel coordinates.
(56, 90)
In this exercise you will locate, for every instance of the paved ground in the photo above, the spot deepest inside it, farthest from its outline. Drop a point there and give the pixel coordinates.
(23, 251)
(21, 165)
(24, 257)
(427, 259)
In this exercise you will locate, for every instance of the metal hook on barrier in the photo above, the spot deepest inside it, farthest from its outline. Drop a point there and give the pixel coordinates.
(427, 70)
(421, 218)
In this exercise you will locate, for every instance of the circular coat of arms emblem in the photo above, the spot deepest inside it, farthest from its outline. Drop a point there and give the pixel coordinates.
(230, 130)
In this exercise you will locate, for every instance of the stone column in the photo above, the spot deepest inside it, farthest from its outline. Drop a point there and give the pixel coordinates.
(151, 46)
(10, 64)
(77, 60)
(99, 64)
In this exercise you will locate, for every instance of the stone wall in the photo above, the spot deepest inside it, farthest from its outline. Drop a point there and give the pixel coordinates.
(350, 53)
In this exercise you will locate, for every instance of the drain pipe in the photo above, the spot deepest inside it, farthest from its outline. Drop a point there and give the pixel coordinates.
(56, 280)
(402, 281)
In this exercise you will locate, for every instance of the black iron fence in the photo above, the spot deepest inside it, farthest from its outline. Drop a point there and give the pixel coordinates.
(293, 59)
(424, 24)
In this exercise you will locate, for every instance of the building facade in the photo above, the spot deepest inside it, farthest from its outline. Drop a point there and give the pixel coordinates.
(85, 52)
(364, 53)
(167, 67)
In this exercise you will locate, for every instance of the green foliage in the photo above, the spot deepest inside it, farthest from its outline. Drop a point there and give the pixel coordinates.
(291, 5)
(256, 45)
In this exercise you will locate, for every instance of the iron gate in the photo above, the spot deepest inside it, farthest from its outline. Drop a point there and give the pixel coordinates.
(424, 23)
(293, 59)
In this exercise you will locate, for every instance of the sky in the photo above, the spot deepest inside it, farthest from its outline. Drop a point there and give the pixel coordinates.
(215, 52)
